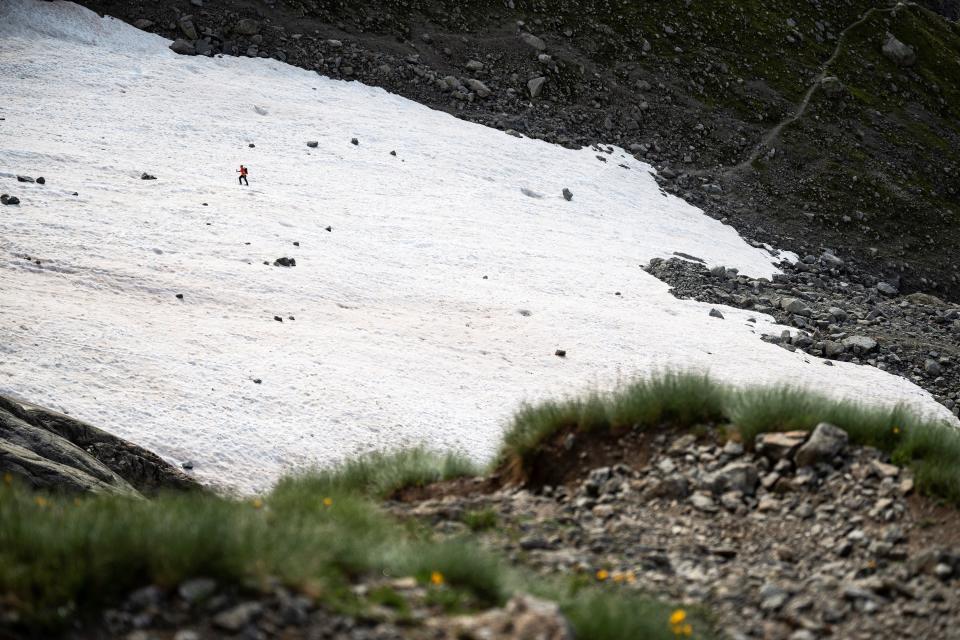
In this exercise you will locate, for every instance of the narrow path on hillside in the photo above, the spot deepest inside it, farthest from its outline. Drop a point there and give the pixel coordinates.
(765, 143)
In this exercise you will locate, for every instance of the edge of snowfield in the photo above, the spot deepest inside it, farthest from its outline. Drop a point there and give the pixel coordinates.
(408, 315)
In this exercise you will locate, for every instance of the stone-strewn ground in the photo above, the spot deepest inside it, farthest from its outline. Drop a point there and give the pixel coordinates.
(840, 313)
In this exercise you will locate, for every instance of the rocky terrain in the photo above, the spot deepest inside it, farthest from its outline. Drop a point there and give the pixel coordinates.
(820, 125)
(54, 452)
(794, 536)
(839, 314)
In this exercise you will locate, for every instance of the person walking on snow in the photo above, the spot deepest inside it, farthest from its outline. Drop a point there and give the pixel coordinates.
(243, 175)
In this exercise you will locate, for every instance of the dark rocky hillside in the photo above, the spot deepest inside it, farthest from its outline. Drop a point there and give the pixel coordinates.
(867, 163)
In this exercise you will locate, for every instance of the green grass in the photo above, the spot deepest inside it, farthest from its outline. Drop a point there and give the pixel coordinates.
(61, 556)
(688, 401)
(480, 519)
(322, 532)
(380, 474)
(668, 398)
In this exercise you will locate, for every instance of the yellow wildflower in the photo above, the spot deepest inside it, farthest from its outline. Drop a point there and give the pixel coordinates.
(686, 630)
(436, 578)
(257, 503)
(41, 501)
(328, 502)
(896, 430)
(602, 575)
(618, 577)
(677, 617)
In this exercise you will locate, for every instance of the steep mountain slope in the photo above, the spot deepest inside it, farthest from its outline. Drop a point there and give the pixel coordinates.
(431, 287)
(869, 168)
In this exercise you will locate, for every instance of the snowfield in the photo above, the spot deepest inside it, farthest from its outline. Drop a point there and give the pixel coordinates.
(428, 314)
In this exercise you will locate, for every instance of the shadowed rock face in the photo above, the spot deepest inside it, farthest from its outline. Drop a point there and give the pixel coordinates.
(49, 450)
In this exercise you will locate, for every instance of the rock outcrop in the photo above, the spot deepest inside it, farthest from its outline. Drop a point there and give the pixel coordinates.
(52, 451)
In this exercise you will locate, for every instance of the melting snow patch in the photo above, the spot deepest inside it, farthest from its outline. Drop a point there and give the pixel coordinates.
(407, 327)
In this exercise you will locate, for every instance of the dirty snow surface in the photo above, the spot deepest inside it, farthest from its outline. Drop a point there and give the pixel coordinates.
(429, 312)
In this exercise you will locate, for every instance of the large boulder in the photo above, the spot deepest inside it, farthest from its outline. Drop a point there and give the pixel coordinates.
(246, 27)
(535, 86)
(533, 41)
(478, 87)
(825, 443)
(736, 476)
(49, 450)
(899, 53)
(183, 47)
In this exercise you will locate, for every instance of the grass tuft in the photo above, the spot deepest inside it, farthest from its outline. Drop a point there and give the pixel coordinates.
(689, 401)
(379, 474)
(670, 398)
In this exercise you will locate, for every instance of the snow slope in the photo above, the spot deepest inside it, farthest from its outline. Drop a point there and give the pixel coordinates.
(399, 337)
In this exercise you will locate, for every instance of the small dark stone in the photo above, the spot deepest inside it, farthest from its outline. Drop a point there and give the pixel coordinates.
(187, 465)
(715, 313)
(204, 204)
(284, 262)
(41, 180)
(11, 200)
(147, 176)
(278, 318)
(257, 381)
(560, 353)
(354, 141)
(24, 179)
(296, 244)
(179, 296)
(485, 278)
(567, 194)
(290, 318)
(251, 145)
(329, 228)
(393, 153)
(312, 144)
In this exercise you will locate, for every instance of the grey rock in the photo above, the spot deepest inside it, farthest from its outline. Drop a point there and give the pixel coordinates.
(246, 27)
(9, 200)
(567, 194)
(474, 65)
(825, 443)
(779, 446)
(312, 144)
(236, 618)
(143, 23)
(478, 87)
(742, 477)
(715, 313)
(188, 29)
(860, 344)
(932, 367)
(196, 589)
(674, 487)
(887, 289)
(833, 89)
(899, 53)
(703, 502)
(49, 450)
(533, 41)
(535, 86)
(795, 306)
(183, 47)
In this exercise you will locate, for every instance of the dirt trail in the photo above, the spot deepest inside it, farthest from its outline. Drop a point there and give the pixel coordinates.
(765, 143)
